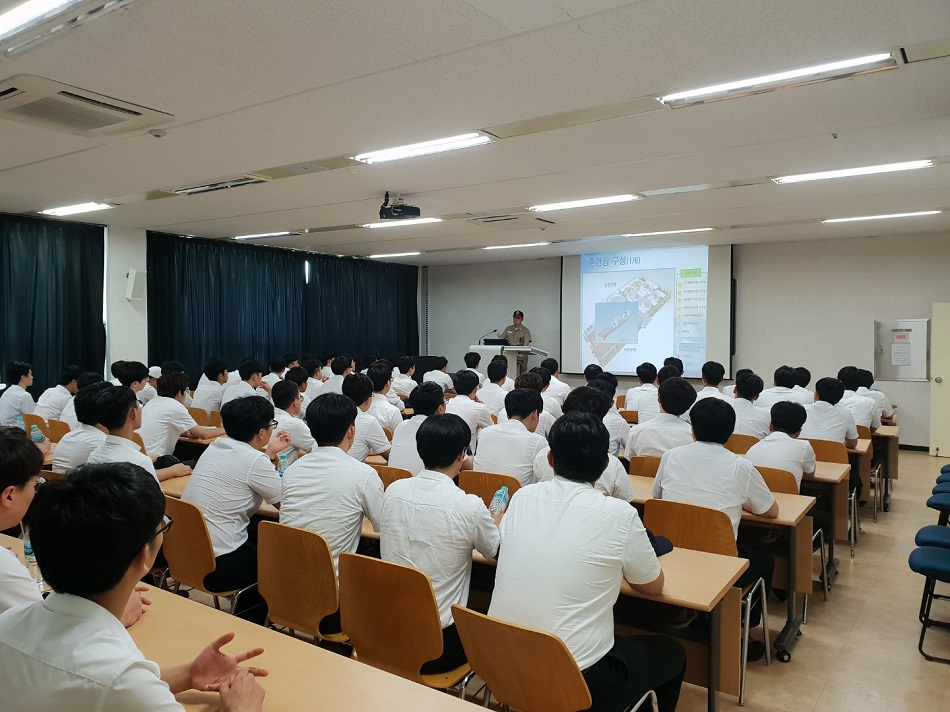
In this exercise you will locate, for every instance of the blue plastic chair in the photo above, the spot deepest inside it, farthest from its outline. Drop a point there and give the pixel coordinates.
(941, 502)
(933, 535)
(945, 469)
(944, 477)
(941, 488)
(933, 563)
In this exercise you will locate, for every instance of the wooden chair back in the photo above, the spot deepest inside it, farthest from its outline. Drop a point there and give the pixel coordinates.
(485, 484)
(187, 544)
(494, 418)
(200, 416)
(403, 398)
(215, 418)
(631, 416)
(390, 474)
(740, 444)
(389, 434)
(781, 481)
(57, 430)
(689, 526)
(644, 465)
(31, 419)
(390, 615)
(137, 439)
(295, 576)
(621, 401)
(829, 451)
(525, 669)
(864, 432)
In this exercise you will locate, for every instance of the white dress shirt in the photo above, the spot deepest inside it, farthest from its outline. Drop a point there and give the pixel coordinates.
(865, 410)
(50, 405)
(565, 550)
(783, 452)
(119, 449)
(68, 415)
(163, 421)
(750, 419)
(146, 394)
(314, 388)
(552, 406)
(619, 430)
(430, 524)
(800, 389)
(230, 482)
(68, 653)
(558, 389)
(14, 401)
(829, 422)
(545, 422)
(880, 398)
(271, 379)
(16, 584)
(328, 492)
(509, 448)
(403, 452)
(614, 482)
(385, 412)
(645, 400)
(208, 396)
(300, 436)
(403, 385)
(327, 371)
(395, 400)
(482, 379)
(729, 391)
(493, 396)
(776, 394)
(708, 475)
(508, 385)
(76, 447)
(334, 384)
(369, 438)
(440, 377)
(475, 415)
(656, 436)
(241, 389)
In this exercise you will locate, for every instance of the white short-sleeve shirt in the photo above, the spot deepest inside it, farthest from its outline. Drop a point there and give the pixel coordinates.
(614, 482)
(14, 401)
(241, 389)
(783, 452)
(776, 394)
(865, 410)
(230, 482)
(475, 415)
(750, 420)
(645, 400)
(369, 438)
(334, 384)
(619, 430)
(565, 550)
(708, 475)
(271, 379)
(68, 415)
(558, 389)
(658, 435)
(16, 584)
(829, 422)
(403, 385)
(729, 391)
(440, 377)
(493, 396)
(430, 524)
(404, 453)
(481, 376)
(300, 436)
(328, 492)
(208, 395)
(163, 422)
(508, 385)
(119, 449)
(385, 412)
(509, 448)
(76, 447)
(880, 398)
(50, 405)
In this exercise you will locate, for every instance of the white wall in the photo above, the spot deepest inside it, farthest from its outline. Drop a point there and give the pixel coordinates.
(127, 327)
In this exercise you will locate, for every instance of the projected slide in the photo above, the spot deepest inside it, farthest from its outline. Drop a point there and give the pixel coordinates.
(644, 305)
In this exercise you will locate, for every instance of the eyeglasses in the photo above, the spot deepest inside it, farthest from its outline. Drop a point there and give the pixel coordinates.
(37, 483)
(168, 521)
(271, 425)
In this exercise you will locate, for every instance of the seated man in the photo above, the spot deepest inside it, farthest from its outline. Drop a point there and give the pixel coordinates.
(551, 404)
(439, 375)
(509, 448)
(49, 406)
(210, 389)
(865, 381)
(557, 389)
(644, 398)
(276, 367)
(380, 374)
(866, 411)
(667, 372)
(675, 362)
(251, 383)
(446, 524)
(428, 399)
(79, 443)
(15, 401)
(369, 438)
(713, 373)
(96, 534)
(151, 386)
(614, 482)
(784, 379)
(314, 370)
(87, 378)
(802, 379)
(618, 428)
(534, 382)
(287, 404)
(298, 376)
(827, 419)
(591, 371)
(342, 366)
(403, 384)
(507, 385)
(782, 449)
(165, 419)
(131, 374)
(668, 429)
(565, 550)
(750, 419)
(466, 406)
(492, 394)
(730, 391)
(291, 362)
(472, 360)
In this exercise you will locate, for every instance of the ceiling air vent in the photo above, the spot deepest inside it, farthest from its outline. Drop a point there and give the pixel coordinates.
(221, 184)
(35, 100)
(510, 221)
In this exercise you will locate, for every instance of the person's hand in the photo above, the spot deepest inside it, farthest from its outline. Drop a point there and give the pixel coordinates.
(242, 693)
(279, 441)
(136, 606)
(180, 470)
(212, 667)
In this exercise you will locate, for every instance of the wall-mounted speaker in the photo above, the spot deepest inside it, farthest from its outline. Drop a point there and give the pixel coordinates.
(135, 285)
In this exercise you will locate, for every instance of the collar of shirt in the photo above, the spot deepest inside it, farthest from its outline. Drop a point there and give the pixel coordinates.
(119, 441)
(646, 387)
(821, 405)
(332, 452)
(663, 417)
(566, 483)
(515, 426)
(436, 476)
(379, 398)
(77, 607)
(777, 435)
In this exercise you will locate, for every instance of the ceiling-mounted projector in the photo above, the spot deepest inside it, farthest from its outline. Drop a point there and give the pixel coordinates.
(398, 210)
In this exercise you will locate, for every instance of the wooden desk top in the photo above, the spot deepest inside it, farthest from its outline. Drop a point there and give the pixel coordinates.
(174, 488)
(887, 431)
(375, 460)
(833, 472)
(199, 441)
(862, 448)
(13, 544)
(48, 457)
(407, 413)
(302, 676)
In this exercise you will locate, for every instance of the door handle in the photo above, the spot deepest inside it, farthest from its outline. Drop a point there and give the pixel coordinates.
(938, 379)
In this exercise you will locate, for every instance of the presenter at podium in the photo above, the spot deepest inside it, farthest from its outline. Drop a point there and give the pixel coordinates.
(518, 335)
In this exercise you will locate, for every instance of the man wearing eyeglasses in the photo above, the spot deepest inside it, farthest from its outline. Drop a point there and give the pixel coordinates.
(518, 335)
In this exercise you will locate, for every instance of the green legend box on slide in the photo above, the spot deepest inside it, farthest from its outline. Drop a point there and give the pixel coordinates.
(691, 272)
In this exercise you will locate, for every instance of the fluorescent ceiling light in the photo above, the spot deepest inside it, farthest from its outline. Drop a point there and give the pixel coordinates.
(29, 13)
(794, 77)
(668, 232)
(584, 203)
(849, 172)
(425, 148)
(263, 234)
(509, 247)
(883, 217)
(75, 209)
(395, 254)
(35, 21)
(402, 223)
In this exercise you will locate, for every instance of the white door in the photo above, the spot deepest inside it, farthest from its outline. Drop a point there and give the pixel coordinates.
(940, 381)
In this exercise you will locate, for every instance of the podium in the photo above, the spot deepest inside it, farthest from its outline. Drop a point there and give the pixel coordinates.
(486, 352)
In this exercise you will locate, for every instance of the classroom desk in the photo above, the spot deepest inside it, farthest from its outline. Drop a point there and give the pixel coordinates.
(889, 435)
(302, 676)
(407, 413)
(192, 448)
(48, 457)
(833, 478)
(860, 458)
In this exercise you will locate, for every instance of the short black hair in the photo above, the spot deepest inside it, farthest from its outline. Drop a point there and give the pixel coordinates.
(297, 375)
(551, 365)
(785, 377)
(113, 405)
(865, 378)
(579, 444)
(114, 368)
(713, 372)
(609, 378)
(544, 373)
(530, 380)
(129, 372)
(380, 373)
(16, 371)
(465, 382)
(646, 372)
(830, 390)
(441, 438)
(439, 362)
(788, 417)
(713, 419)
(802, 376)
(329, 416)
(289, 358)
(591, 371)
(588, 400)
(605, 386)
(749, 386)
(676, 396)
(358, 388)
(522, 402)
(243, 418)
(20, 459)
(311, 366)
(277, 364)
(87, 378)
(666, 373)
(743, 371)
(86, 529)
(472, 359)
(674, 361)
(426, 398)
(340, 364)
(500, 357)
(284, 393)
(496, 371)
(248, 368)
(85, 402)
(406, 364)
(214, 367)
(68, 375)
(171, 383)
(173, 366)
(849, 378)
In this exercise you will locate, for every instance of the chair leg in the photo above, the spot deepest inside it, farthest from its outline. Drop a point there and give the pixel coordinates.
(765, 619)
(805, 610)
(824, 567)
(463, 683)
(649, 696)
(853, 533)
(926, 602)
(217, 603)
(746, 619)
(487, 696)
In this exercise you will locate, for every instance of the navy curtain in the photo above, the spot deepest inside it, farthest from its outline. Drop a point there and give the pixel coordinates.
(51, 296)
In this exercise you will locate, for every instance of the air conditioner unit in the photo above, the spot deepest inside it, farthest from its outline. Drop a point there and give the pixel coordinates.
(39, 101)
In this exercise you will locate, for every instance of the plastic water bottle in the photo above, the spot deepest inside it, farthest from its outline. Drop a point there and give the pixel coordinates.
(20, 424)
(499, 503)
(36, 435)
(29, 558)
(282, 464)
